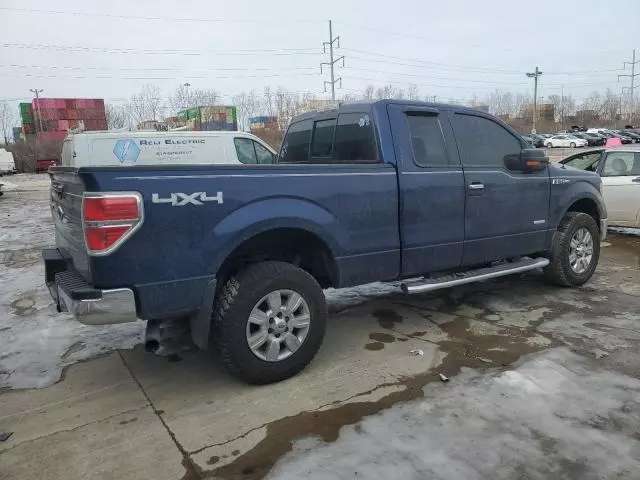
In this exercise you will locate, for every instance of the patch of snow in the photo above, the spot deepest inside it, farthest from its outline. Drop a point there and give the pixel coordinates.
(626, 231)
(554, 416)
(36, 342)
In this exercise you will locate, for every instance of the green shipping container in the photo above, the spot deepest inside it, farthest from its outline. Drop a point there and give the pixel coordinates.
(190, 114)
(26, 108)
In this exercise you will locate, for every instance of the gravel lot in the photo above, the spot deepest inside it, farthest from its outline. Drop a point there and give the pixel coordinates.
(543, 382)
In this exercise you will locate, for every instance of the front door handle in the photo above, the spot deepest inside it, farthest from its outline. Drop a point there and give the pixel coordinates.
(476, 186)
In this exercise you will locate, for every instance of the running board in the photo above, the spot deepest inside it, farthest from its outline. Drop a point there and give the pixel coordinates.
(451, 280)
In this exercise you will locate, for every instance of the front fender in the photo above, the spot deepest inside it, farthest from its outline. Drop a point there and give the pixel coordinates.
(264, 215)
(563, 199)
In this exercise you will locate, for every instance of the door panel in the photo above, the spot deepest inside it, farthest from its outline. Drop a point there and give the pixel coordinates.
(506, 212)
(621, 187)
(432, 190)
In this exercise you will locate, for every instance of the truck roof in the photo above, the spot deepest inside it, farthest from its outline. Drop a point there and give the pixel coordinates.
(359, 105)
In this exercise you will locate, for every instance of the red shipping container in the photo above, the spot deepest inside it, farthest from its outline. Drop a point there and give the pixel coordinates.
(60, 103)
(63, 125)
(72, 114)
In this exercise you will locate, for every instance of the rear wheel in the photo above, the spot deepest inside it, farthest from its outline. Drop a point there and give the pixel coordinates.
(269, 322)
(549, 145)
(572, 145)
(575, 251)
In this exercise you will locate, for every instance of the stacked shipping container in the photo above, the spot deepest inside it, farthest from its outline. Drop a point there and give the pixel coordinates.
(263, 123)
(27, 119)
(54, 117)
(210, 118)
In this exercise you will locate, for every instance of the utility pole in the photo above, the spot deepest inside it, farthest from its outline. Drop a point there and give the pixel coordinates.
(632, 77)
(562, 107)
(37, 92)
(331, 63)
(186, 95)
(535, 76)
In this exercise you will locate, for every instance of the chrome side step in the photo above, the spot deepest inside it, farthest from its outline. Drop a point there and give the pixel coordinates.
(445, 281)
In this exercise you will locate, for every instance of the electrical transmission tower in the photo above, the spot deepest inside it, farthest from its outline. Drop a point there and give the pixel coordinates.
(632, 76)
(332, 62)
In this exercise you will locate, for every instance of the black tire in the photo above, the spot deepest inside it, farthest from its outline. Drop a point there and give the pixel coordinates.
(549, 145)
(572, 145)
(559, 270)
(232, 308)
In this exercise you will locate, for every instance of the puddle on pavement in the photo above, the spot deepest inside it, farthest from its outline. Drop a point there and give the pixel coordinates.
(23, 306)
(387, 318)
(22, 258)
(464, 348)
(624, 246)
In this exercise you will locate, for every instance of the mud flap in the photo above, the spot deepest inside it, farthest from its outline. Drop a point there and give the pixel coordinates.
(201, 322)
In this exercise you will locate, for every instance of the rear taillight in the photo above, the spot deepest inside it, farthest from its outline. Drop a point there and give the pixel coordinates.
(108, 219)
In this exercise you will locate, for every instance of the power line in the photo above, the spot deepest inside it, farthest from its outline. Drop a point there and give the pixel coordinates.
(189, 77)
(143, 17)
(167, 69)
(138, 51)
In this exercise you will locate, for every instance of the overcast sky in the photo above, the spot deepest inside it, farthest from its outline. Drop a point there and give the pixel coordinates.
(452, 49)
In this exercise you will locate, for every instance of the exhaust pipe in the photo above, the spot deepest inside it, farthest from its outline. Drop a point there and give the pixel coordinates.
(168, 337)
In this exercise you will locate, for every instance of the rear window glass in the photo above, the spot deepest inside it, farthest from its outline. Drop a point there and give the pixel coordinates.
(322, 143)
(355, 142)
(295, 147)
(427, 140)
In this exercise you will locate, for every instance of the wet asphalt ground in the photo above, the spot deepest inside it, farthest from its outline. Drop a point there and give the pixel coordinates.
(543, 383)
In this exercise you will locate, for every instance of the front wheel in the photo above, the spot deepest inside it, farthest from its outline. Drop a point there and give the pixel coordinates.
(549, 145)
(572, 145)
(270, 322)
(575, 251)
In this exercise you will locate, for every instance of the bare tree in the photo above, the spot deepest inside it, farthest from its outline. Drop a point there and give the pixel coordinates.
(185, 97)
(6, 121)
(147, 105)
(247, 106)
(413, 93)
(500, 103)
(369, 92)
(117, 117)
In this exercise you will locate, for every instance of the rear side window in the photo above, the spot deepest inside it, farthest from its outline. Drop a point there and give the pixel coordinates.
(295, 147)
(322, 142)
(620, 164)
(354, 140)
(483, 142)
(427, 140)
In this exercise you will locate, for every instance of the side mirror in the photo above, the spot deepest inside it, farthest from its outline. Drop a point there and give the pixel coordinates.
(529, 160)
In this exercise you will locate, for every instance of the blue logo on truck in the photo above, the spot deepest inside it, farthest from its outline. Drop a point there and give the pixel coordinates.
(126, 150)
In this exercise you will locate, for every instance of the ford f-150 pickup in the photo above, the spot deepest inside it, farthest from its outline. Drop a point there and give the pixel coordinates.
(429, 195)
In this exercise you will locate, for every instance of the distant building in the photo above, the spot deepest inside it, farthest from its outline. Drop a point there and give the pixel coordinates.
(153, 125)
(544, 111)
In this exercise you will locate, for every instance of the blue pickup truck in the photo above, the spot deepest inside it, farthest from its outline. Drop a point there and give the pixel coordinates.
(426, 194)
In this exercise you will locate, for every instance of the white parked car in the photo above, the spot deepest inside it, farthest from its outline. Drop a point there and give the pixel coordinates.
(619, 168)
(7, 165)
(164, 148)
(565, 140)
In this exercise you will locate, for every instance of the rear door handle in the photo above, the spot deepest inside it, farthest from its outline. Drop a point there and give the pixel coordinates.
(476, 186)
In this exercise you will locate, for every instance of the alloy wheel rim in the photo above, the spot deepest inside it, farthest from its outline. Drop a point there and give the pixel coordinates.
(581, 251)
(278, 325)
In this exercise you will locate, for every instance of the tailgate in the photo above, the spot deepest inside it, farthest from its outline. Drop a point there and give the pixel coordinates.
(66, 208)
